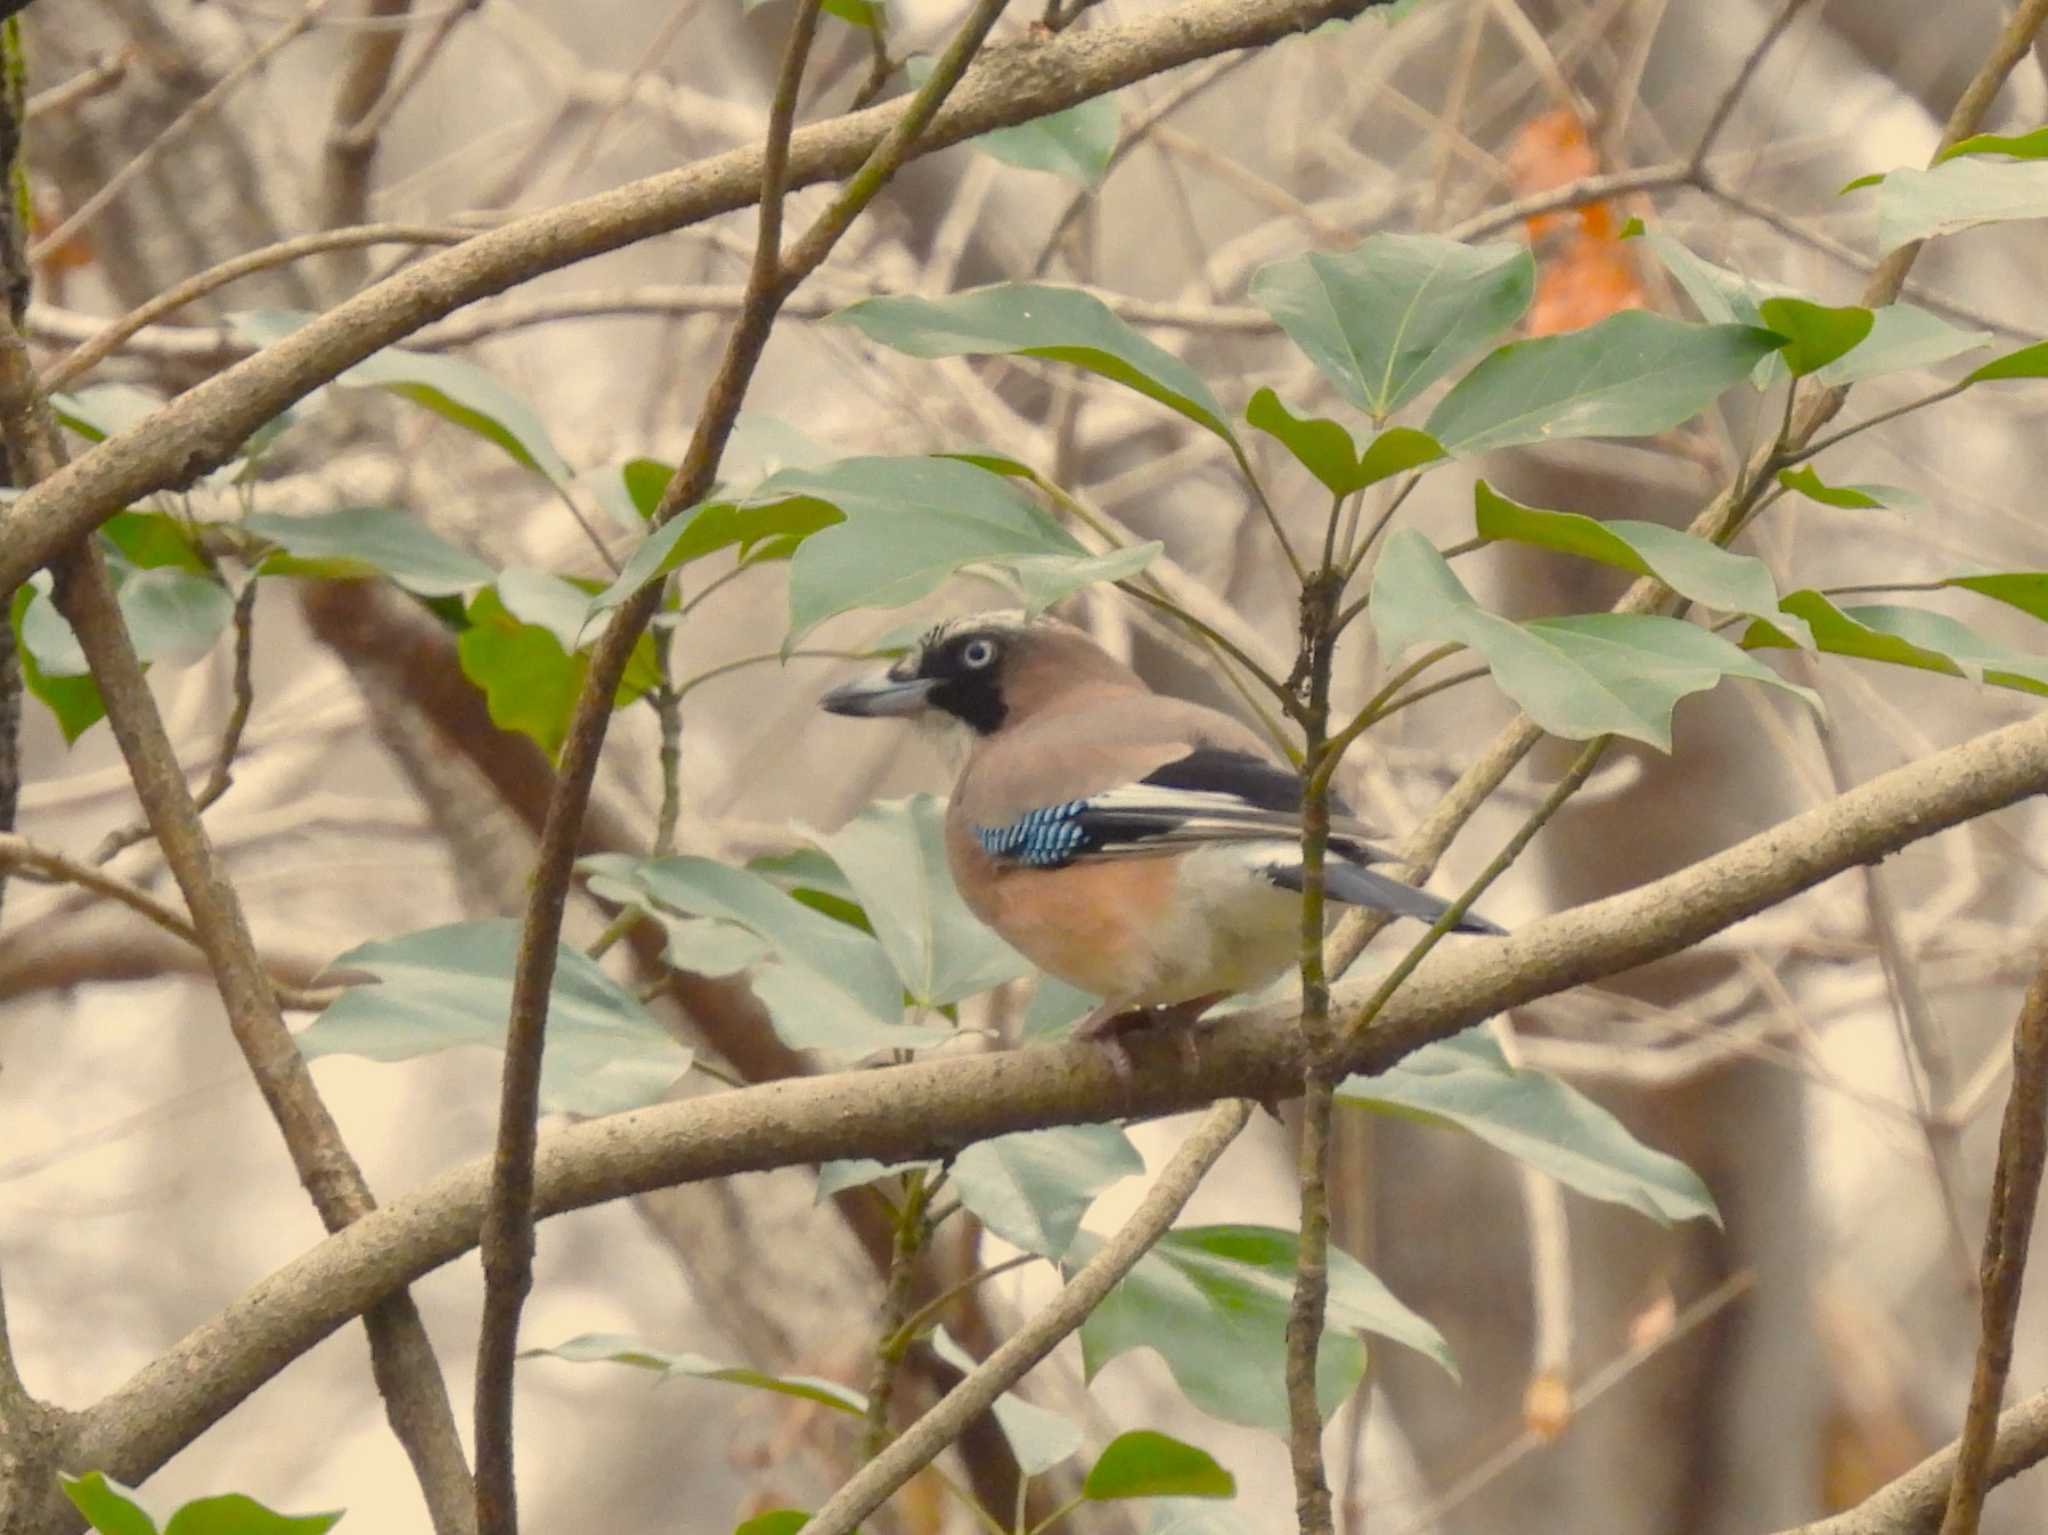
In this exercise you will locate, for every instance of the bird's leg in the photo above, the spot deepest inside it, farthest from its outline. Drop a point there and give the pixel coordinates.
(1112, 1020)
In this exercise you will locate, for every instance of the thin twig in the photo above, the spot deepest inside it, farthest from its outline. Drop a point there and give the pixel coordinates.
(1725, 107)
(921, 1443)
(19, 854)
(214, 95)
(402, 1358)
(913, 1228)
(1596, 1385)
(773, 275)
(266, 258)
(2015, 1191)
(931, 1108)
(221, 778)
(96, 79)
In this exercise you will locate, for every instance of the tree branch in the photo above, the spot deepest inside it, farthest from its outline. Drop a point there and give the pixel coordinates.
(924, 1439)
(204, 427)
(930, 1108)
(402, 1358)
(2015, 1189)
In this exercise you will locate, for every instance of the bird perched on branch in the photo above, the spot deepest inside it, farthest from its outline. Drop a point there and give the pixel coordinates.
(1139, 847)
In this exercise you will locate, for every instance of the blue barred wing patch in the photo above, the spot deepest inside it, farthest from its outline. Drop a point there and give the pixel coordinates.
(1039, 839)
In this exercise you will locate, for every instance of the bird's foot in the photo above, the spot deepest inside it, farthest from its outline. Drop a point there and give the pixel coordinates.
(1110, 1022)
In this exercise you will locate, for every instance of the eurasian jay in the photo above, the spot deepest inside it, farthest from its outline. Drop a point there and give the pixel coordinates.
(1142, 848)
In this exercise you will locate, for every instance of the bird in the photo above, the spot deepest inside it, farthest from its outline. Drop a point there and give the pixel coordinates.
(1143, 848)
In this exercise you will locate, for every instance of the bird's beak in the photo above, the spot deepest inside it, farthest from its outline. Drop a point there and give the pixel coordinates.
(881, 694)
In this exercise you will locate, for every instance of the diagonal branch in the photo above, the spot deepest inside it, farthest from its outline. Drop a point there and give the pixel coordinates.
(204, 427)
(930, 1108)
(402, 1358)
(2015, 1192)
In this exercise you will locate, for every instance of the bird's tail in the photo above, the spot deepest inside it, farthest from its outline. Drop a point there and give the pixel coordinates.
(1356, 885)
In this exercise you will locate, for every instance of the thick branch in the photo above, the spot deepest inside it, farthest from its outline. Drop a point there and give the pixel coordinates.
(204, 427)
(929, 1108)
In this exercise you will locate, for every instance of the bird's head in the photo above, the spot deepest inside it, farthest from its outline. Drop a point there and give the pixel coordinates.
(986, 671)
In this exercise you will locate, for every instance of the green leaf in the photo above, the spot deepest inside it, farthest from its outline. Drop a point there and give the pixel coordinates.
(2026, 590)
(1213, 1301)
(150, 540)
(1036, 320)
(1689, 565)
(617, 1348)
(1040, 1439)
(1043, 581)
(2027, 362)
(1076, 143)
(1395, 451)
(894, 856)
(830, 987)
(1815, 334)
(1901, 337)
(1632, 374)
(1918, 205)
(777, 1521)
(74, 700)
(529, 682)
(1146, 1464)
(1977, 658)
(113, 1509)
(709, 527)
(450, 986)
(100, 411)
(174, 615)
(1467, 1083)
(909, 523)
(1321, 446)
(44, 634)
(869, 16)
(1853, 497)
(2024, 146)
(233, 1514)
(1031, 1188)
(1906, 637)
(366, 541)
(857, 1172)
(452, 389)
(1385, 320)
(106, 1504)
(1576, 677)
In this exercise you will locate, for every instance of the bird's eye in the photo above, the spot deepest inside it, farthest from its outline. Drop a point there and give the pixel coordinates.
(978, 653)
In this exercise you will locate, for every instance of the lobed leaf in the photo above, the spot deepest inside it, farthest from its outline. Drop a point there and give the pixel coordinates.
(1853, 497)
(1957, 195)
(367, 541)
(617, 1348)
(1032, 1188)
(1386, 319)
(829, 987)
(1466, 1082)
(1632, 374)
(1039, 1438)
(1037, 320)
(1146, 1464)
(452, 986)
(1213, 1302)
(1576, 677)
(893, 855)
(1689, 565)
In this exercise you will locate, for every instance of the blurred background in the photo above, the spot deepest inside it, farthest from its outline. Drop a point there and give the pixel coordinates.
(1833, 1068)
